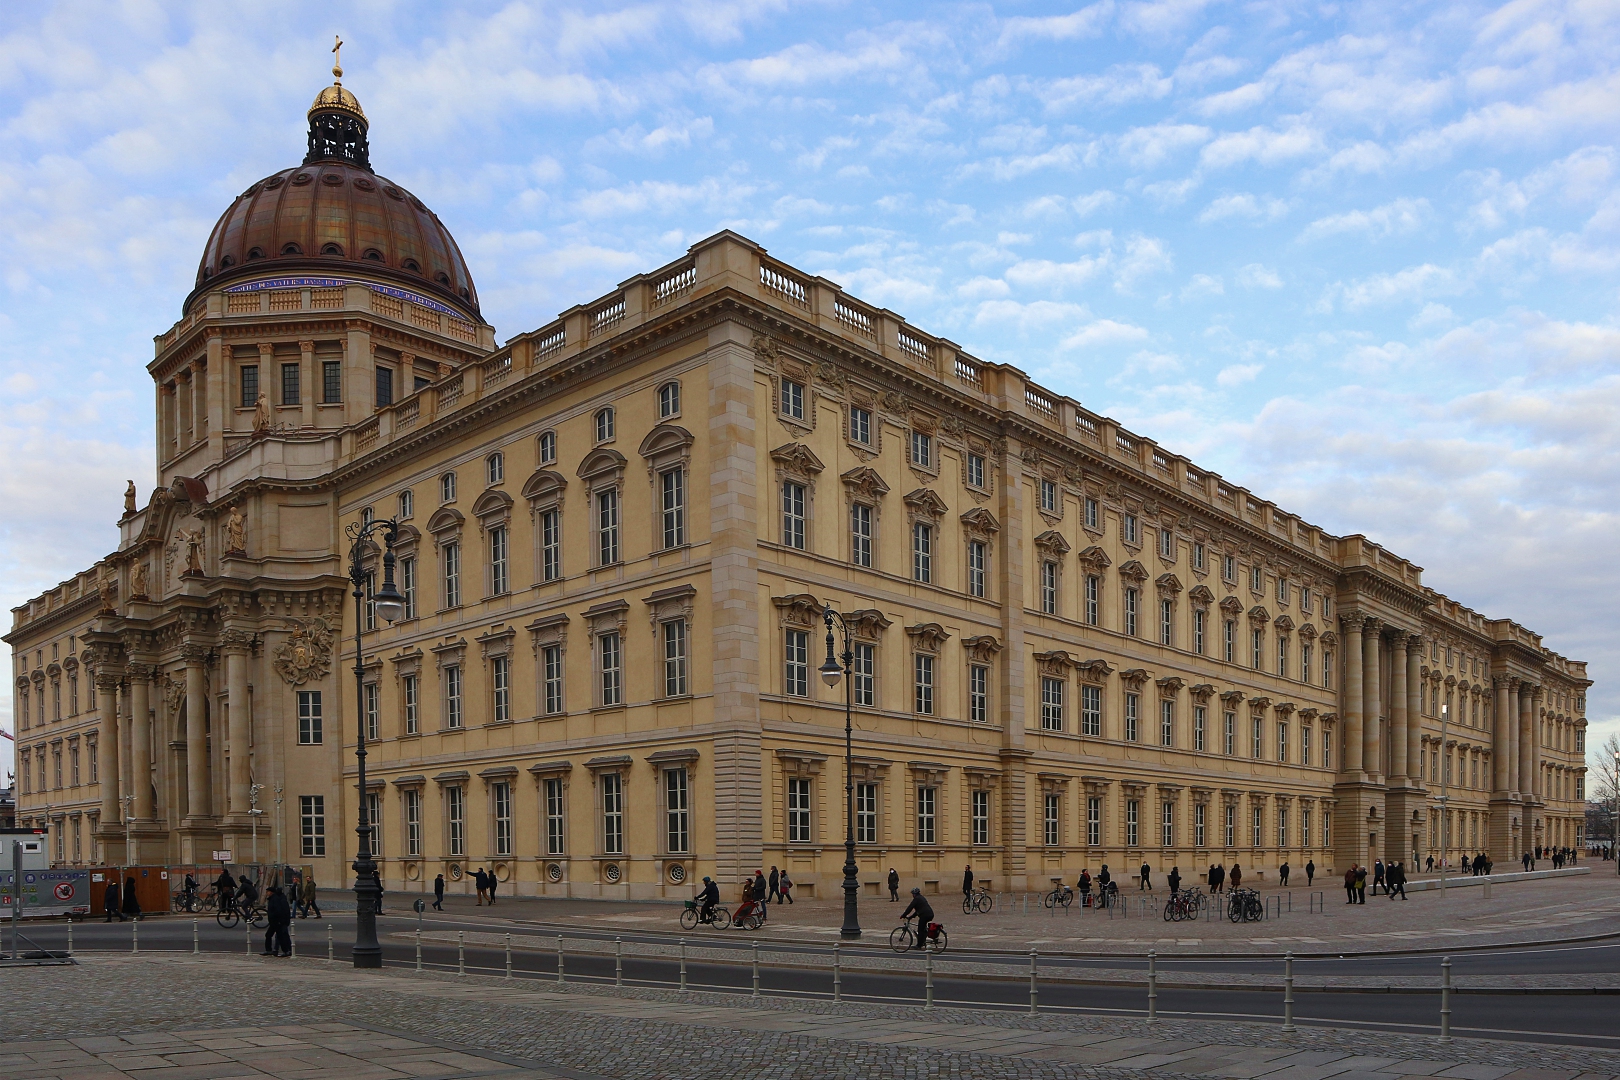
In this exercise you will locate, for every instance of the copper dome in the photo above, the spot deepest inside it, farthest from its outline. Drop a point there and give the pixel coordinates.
(333, 216)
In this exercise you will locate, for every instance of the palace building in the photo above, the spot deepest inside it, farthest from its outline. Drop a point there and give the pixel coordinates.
(618, 534)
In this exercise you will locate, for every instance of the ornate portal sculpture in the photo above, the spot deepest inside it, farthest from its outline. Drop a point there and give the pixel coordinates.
(137, 580)
(236, 532)
(193, 539)
(108, 588)
(307, 652)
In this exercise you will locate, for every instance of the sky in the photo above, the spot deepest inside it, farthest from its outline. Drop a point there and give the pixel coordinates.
(1361, 258)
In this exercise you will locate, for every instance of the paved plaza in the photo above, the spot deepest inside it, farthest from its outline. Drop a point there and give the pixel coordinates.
(180, 1017)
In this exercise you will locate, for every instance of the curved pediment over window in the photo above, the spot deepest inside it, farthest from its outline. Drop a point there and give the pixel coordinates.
(491, 503)
(544, 483)
(664, 439)
(600, 462)
(445, 519)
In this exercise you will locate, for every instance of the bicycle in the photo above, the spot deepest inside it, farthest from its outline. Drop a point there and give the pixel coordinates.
(903, 937)
(197, 903)
(1183, 904)
(1244, 906)
(256, 917)
(719, 918)
(978, 900)
(1060, 895)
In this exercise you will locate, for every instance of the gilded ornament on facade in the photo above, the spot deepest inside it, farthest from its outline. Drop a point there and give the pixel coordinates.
(307, 652)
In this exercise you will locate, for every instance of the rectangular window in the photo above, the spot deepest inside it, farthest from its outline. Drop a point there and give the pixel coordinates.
(612, 658)
(292, 391)
(1305, 745)
(1228, 568)
(1231, 827)
(1327, 665)
(452, 575)
(798, 822)
(926, 814)
(407, 585)
(1049, 496)
(369, 611)
(975, 470)
(1282, 656)
(1052, 820)
(372, 708)
(1167, 622)
(550, 545)
(1327, 748)
(866, 813)
(981, 818)
(1052, 704)
(500, 678)
(499, 574)
(1229, 722)
(796, 667)
(1091, 711)
(1304, 662)
(612, 814)
(1282, 740)
(1093, 514)
(1133, 718)
(1133, 532)
(1305, 824)
(374, 820)
(331, 382)
(554, 817)
(309, 717)
(1282, 591)
(413, 821)
(1259, 731)
(923, 683)
(677, 816)
(1198, 555)
(976, 568)
(501, 795)
(864, 672)
(1199, 616)
(792, 399)
(1049, 588)
(922, 552)
(1133, 814)
(1257, 579)
(978, 693)
(1167, 824)
(860, 534)
(312, 825)
(793, 515)
(1131, 610)
(675, 658)
(92, 750)
(250, 385)
(1167, 544)
(922, 450)
(1229, 640)
(860, 425)
(607, 527)
(604, 425)
(1198, 824)
(1093, 588)
(453, 715)
(1282, 826)
(669, 400)
(551, 661)
(1258, 640)
(1167, 723)
(674, 507)
(1259, 826)
(385, 387)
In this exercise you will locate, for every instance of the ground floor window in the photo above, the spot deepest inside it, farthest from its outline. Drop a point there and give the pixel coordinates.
(312, 825)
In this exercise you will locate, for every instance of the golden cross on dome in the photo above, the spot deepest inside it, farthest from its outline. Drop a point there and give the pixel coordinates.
(337, 59)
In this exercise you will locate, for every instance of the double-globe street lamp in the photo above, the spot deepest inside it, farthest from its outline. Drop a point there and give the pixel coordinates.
(390, 605)
(833, 669)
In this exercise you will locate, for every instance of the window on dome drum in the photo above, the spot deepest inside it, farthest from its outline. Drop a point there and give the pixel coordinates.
(442, 278)
(412, 265)
(860, 425)
(385, 387)
(494, 469)
(792, 399)
(548, 448)
(291, 249)
(669, 400)
(332, 249)
(373, 254)
(922, 450)
(604, 425)
(975, 470)
(331, 382)
(250, 385)
(255, 253)
(447, 487)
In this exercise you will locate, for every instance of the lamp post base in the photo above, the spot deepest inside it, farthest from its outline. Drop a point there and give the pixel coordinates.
(852, 887)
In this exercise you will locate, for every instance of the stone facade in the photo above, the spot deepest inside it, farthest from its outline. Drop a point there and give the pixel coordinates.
(618, 535)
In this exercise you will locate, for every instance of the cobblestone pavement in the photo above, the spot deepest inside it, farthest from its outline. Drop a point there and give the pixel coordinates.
(1527, 912)
(437, 1025)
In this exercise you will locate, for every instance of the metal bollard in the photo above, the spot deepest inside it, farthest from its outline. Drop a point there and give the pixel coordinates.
(1445, 1000)
(292, 939)
(928, 984)
(756, 971)
(418, 948)
(1034, 991)
(559, 961)
(135, 935)
(1153, 987)
(618, 962)
(838, 980)
(461, 952)
(195, 943)
(329, 942)
(1288, 992)
(247, 938)
(508, 957)
(70, 935)
(683, 965)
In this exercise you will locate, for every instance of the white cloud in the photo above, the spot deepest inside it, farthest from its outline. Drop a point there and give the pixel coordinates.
(1256, 276)
(1150, 147)
(1144, 257)
(1262, 145)
(1395, 218)
(1086, 205)
(1119, 85)
(1202, 285)
(1103, 332)
(1237, 374)
(1246, 206)
(1087, 22)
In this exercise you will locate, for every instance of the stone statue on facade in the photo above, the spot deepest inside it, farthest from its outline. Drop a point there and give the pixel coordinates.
(236, 532)
(137, 580)
(129, 498)
(261, 413)
(108, 588)
(193, 539)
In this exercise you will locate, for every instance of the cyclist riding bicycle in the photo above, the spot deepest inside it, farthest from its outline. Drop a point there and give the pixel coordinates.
(926, 926)
(227, 888)
(710, 897)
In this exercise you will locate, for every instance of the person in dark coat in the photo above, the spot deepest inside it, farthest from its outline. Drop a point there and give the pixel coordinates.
(1350, 884)
(225, 885)
(1378, 876)
(277, 941)
(1236, 875)
(1395, 881)
(132, 903)
(967, 880)
(376, 879)
(1282, 874)
(1175, 880)
(481, 882)
(772, 891)
(761, 890)
(438, 893)
(111, 900)
(493, 882)
(894, 886)
(1310, 871)
(1144, 883)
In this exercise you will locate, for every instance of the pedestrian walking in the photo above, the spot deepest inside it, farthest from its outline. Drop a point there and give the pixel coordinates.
(1310, 872)
(773, 889)
(967, 880)
(761, 889)
(277, 941)
(1143, 882)
(1361, 884)
(438, 893)
(1378, 876)
(376, 879)
(1350, 884)
(481, 883)
(1429, 864)
(1236, 876)
(894, 886)
(112, 901)
(494, 882)
(1175, 880)
(786, 884)
(306, 897)
(132, 903)
(1395, 881)
(1282, 874)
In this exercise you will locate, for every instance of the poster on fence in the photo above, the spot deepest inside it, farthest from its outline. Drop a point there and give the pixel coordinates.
(46, 892)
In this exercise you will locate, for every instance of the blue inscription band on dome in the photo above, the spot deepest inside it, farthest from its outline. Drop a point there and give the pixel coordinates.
(335, 283)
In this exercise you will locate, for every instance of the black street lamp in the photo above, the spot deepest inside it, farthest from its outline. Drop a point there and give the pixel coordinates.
(831, 671)
(390, 605)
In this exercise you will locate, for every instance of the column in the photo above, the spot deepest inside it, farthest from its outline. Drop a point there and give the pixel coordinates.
(308, 381)
(1526, 749)
(1414, 708)
(200, 805)
(1502, 727)
(126, 756)
(1352, 693)
(1397, 709)
(183, 409)
(1373, 702)
(107, 695)
(140, 740)
(1538, 697)
(236, 646)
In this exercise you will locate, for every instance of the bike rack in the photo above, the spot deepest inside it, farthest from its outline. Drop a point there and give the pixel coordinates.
(1274, 901)
(1318, 904)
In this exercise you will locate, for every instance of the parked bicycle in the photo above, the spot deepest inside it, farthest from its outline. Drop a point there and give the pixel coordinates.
(1244, 906)
(903, 937)
(719, 918)
(1062, 894)
(197, 902)
(978, 900)
(1183, 905)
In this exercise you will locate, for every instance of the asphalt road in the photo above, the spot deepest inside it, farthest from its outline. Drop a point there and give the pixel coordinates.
(1586, 1019)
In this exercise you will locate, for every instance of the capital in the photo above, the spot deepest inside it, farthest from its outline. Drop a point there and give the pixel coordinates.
(193, 652)
(236, 641)
(266, 350)
(140, 672)
(1353, 622)
(306, 346)
(1414, 640)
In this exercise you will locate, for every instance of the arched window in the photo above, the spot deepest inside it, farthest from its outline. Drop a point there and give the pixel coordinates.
(494, 469)
(412, 265)
(604, 425)
(373, 254)
(331, 249)
(407, 504)
(255, 253)
(291, 249)
(669, 400)
(447, 487)
(548, 447)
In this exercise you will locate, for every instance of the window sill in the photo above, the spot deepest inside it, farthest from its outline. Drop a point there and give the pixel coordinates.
(608, 708)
